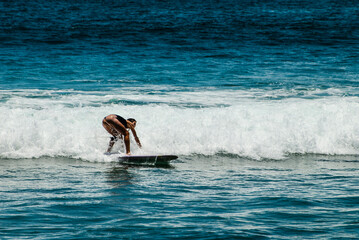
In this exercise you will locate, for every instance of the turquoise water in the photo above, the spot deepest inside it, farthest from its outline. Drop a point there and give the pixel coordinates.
(219, 197)
(259, 99)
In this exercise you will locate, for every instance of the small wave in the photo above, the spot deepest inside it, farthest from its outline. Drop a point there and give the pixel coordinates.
(55, 123)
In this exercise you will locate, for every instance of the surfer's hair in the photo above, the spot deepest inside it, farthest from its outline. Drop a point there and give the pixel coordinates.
(131, 120)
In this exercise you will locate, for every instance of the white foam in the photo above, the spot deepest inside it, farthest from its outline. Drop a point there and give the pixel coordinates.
(52, 123)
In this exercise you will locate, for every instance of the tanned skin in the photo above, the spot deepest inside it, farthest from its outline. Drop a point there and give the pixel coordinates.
(114, 127)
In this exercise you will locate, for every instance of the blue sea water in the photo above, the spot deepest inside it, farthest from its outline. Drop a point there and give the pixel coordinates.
(259, 99)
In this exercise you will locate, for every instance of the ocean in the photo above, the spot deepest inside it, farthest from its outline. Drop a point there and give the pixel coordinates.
(258, 98)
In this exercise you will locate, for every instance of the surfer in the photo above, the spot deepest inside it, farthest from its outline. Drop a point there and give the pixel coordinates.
(118, 127)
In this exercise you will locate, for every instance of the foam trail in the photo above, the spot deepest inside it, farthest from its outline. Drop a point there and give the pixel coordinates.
(70, 126)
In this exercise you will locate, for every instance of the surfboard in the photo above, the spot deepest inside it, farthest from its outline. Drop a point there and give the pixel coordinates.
(147, 159)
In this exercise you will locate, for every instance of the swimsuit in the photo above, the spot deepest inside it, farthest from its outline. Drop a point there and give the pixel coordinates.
(122, 120)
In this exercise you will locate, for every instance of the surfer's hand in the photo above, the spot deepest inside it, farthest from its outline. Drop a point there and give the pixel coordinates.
(138, 142)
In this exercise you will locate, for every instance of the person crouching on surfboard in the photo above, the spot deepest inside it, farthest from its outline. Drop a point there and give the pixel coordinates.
(117, 126)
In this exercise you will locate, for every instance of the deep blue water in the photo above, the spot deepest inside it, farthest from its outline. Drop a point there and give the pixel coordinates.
(259, 99)
(96, 45)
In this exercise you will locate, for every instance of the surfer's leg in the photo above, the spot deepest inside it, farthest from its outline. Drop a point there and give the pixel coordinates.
(127, 142)
(112, 125)
(111, 143)
(111, 130)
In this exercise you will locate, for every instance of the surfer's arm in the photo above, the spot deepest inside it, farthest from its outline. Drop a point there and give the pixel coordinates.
(135, 135)
(136, 138)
